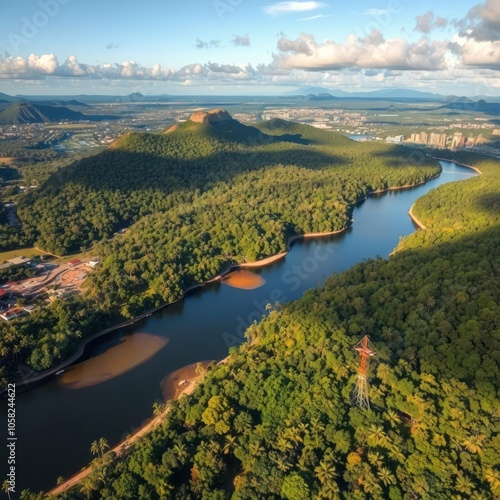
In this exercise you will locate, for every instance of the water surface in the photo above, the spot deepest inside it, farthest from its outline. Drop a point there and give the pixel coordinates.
(56, 425)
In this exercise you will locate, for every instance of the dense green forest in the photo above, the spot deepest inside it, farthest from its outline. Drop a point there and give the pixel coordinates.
(146, 174)
(33, 168)
(275, 420)
(196, 200)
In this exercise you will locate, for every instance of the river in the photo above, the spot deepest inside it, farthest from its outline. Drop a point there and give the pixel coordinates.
(57, 422)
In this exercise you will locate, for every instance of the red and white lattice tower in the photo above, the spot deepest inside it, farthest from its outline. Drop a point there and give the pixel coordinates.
(360, 396)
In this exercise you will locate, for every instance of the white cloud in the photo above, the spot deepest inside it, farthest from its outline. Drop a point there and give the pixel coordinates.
(280, 8)
(482, 22)
(372, 51)
(375, 12)
(312, 18)
(241, 41)
(478, 54)
(211, 44)
(427, 23)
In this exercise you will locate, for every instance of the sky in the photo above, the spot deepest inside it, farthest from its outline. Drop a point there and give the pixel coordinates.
(248, 47)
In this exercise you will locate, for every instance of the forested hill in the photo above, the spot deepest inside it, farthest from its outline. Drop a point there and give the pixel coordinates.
(29, 112)
(275, 420)
(195, 200)
(145, 174)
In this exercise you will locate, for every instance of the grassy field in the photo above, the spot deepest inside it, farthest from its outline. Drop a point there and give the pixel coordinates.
(21, 252)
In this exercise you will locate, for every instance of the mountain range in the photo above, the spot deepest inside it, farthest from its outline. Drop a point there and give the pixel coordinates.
(30, 112)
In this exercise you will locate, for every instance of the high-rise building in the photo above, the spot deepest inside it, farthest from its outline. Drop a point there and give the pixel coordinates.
(458, 140)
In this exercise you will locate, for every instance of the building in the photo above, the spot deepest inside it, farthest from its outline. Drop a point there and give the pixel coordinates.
(395, 140)
(12, 314)
(19, 261)
(458, 140)
(74, 262)
(93, 263)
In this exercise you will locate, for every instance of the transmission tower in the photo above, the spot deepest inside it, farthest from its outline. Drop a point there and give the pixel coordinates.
(360, 395)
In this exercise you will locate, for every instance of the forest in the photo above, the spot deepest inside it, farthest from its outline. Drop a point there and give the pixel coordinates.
(275, 420)
(195, 201)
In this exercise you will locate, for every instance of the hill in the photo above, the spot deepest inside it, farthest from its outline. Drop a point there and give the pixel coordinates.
(324, 96)
(195, 201)
(275, 419)
(6, 97)
(220, 125)
(377, 94)
(28, 112)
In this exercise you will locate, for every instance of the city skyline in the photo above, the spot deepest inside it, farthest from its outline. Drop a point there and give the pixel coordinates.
(238, 47)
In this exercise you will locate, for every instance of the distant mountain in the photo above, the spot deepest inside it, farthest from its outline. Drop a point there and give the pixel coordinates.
(6, 97)
(29, 112)
(134, 97)
(454, 98)
(377, 94)
(324, 96)
(71, 102)
(312, 91)
(481, 105)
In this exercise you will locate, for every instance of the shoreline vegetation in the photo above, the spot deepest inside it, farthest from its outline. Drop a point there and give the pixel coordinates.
(190, 200)
(244, 265)
(124, 447)
(193, 384)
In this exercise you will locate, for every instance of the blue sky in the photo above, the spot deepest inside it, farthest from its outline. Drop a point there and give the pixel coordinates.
(248, 47)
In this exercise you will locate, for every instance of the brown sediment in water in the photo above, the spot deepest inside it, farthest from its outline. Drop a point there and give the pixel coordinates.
(132, 351)
(176, 383)
(243, 279)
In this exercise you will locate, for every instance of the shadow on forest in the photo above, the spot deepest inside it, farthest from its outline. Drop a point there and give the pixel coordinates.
(409, 325)
(488, 202)
(119, 169)
(234, 131)
(402, 156)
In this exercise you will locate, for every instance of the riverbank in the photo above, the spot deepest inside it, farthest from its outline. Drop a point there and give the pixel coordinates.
(414, 219)
(38, 377)
(410, 212)
(125, 446)
(458, 163)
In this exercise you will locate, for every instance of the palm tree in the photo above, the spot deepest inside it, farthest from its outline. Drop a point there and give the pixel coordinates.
(385, 475)
(393, 418)
(330, 490)
(493, 477)
(87, 487)
(6, 487)
(284, 444)
(229, 445)
(256, 449)
(180, 451)
(103, 446)
(375, 459)
(376, 434)
(475, 443)
(158, 409)
(94, 448)
(283, 465)
(325, 471)
(464, 485)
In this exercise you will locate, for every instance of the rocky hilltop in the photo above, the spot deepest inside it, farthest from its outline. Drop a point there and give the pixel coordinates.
(213, 116)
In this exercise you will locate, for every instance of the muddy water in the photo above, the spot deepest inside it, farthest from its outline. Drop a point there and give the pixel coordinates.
(246, 280)
(56, 425)
(130, 352)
